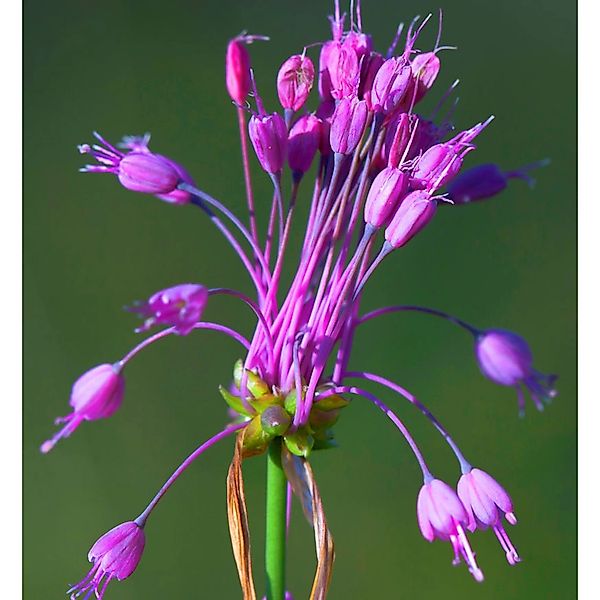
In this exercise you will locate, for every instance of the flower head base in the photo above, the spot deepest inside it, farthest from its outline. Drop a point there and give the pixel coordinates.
(97, 394)
(486, 501)
(115, 555)
(180, 307)
(505, 358)
(441, 515)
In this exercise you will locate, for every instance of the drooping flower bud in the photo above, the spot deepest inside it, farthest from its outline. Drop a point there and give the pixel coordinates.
(391, 85)
(505, 358)
(416, 210)
(425, 68)
(348, 125)
(137, 171)
(485, 181)
(268, 134)
(485, 501)
(303, 142)
(237, 70)
(180, 306)
(294, 81)
(385, 194)
(115, 555)
(441, 515)
(97, 394)
(138, 143)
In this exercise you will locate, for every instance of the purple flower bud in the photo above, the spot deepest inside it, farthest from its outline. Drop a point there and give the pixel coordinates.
(138, 143)
(294, 81)
(97, 394)
(303, 142)
(438, 165)
(401, 139)
(505, 358)
(115, 555)
(416, 210)
(387, 190)
(268, 134)
(348, 125)
(441, 515)
(324, 76)
(425, 68)
(137, 171)
(344, 71)
(237, 70)
(180, 306)
(361, 43)
(485, 501)
(370, 66)
(484, 181)
(391, 85)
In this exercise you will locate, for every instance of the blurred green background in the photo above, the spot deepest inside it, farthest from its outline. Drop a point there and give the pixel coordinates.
(91, 247)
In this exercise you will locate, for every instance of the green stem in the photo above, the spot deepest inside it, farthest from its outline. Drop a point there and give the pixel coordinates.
(276, 523)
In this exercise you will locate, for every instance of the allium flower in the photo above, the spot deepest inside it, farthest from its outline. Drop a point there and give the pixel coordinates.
(486, 501)
(97, 394)
(179, 307)
(505, 358)
(137, 171)
(442, 515)
(381, 170)
(114, 556)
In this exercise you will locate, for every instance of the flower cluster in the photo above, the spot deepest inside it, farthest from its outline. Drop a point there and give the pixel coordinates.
(381, 170)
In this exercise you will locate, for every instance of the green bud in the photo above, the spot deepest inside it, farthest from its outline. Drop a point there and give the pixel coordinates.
(299, 443)
(256, 440)
(238, 369)
(274, 420)
(331, 403)
(262, 403)
(290, 403)
(256, 386)
(323, 419)
(233, 401)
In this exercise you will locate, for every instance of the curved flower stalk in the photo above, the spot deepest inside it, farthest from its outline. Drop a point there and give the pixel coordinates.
(381, 168)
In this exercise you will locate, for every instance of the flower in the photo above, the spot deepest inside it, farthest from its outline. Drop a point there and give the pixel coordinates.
(486, 501)
(137, 171)
(441, 515)
(115, 555)
(294, 81)
(180, 307)
(97, 394)
(378, 182)
(268, 135)
(505, 358)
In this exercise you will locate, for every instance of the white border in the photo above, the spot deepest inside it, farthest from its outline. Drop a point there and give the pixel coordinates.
(10, 268)
(589, 297)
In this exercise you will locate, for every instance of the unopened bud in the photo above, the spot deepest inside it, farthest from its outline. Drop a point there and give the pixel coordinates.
(348, 125)
(268, 134)
(237, 70)
(387, 190)
(416, 210)
(303, 142)
(391, 84)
